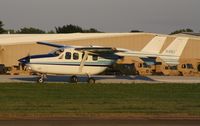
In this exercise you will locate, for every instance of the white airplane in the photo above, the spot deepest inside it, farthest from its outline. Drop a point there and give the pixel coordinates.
(85, 60)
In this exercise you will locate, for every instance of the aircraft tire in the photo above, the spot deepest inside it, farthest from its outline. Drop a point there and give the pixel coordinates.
(40, 80)
(74, 79)
(91, 81)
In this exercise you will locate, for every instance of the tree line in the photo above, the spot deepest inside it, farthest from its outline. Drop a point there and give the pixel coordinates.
(69, 28)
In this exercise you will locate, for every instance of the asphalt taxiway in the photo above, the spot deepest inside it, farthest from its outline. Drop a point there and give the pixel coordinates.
(102, 79)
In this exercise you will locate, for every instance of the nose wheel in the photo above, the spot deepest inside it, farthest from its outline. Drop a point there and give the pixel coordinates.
(41, 79)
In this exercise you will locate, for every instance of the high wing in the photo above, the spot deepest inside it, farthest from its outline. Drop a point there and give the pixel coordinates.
(91, 49)
(97, 49)
(53, 45)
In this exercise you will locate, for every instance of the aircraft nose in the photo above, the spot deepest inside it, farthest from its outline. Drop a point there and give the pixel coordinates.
(24, 60)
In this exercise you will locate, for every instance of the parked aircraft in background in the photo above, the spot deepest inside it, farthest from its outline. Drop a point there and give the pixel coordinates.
(90, 60)
(172, 53)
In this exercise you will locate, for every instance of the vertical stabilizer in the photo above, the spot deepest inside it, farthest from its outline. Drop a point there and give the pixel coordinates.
(155, 45)
(176, 47)
(172, 53)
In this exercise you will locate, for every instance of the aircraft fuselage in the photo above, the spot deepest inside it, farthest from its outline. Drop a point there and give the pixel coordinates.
(68, 62)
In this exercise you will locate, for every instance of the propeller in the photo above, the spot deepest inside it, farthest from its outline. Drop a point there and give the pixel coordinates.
(25, 60)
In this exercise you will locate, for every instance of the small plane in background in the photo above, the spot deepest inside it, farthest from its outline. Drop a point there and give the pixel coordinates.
(89, 60)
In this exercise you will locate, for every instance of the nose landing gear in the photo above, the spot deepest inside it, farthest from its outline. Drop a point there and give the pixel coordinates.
(41, 79)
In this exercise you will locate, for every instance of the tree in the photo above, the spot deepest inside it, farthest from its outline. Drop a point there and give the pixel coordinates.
(69, 29)
(181, 31)
(92, 30)
(1, 28)
(75, 29)
(135, 31)
(30, 30)
(51, 32)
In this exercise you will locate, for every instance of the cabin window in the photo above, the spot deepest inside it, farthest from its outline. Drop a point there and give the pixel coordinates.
(94, 57)
(75, 56)
(140, 65)
(183, 66)
(189, 66)
(166, 68)
(58, 52)
(68, 55)
(198, 67)
(145, 65)
(173, 67)
(158, 63)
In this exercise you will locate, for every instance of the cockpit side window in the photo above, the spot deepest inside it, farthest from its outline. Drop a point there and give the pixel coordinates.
(58, 52)
(140, 65)
(75, 56)
(183, 66)
(68, 55)
(189, 66)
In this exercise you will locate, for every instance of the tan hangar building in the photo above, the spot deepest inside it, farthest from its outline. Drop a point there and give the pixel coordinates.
(16, 46)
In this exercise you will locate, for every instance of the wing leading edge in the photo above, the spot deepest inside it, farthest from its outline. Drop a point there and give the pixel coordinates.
(52, 44)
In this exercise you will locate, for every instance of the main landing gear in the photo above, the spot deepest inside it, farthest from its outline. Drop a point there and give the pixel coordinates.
(74, 79)
(91, 80)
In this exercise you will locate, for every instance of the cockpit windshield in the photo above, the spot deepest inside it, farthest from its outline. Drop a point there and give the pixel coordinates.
(57, 52)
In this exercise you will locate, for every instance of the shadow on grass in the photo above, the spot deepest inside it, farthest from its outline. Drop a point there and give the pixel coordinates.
(143, 78)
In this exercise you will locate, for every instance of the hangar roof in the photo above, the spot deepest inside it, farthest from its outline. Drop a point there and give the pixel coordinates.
(13, 39)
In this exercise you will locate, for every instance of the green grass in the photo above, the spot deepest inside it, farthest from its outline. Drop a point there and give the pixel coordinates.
(65, 99)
